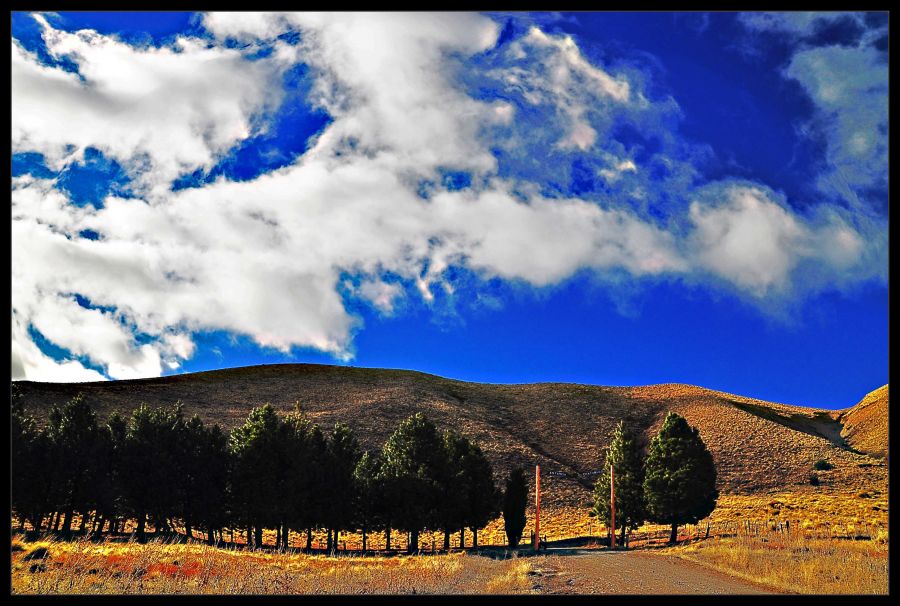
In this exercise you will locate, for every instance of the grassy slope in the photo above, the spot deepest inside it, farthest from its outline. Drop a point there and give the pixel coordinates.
(758, 446)
(865, 426)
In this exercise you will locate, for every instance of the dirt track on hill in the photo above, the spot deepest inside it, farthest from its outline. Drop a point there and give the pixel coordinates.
(583, 572)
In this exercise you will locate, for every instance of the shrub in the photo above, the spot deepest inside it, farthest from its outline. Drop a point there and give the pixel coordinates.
(823, 465)
(814, 479)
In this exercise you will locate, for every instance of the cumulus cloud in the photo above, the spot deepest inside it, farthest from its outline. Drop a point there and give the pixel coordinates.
(269, 257)
(746, 235)
(159, 111)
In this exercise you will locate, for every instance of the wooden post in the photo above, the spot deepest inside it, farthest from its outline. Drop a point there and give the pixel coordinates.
(537, 507)
(612, 507)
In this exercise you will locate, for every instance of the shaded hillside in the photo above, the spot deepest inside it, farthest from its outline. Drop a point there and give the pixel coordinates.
(757, 445)
(865, 426)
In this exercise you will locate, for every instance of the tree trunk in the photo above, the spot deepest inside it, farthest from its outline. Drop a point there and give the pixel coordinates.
(209, 535)
(337, 540)
(308, 539)
(462, 537)
(56, 520)
(474, 538)
(249, 532)
(622, 536)
(413, 542)
(141, 523)
(188, 531)
(278, 536)
(364, 539)
(387, 537)
(67, 522)
(258, 538)
(446, 539)
(674, 536)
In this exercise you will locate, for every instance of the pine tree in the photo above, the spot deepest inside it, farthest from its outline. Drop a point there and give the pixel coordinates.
(515, 500)
(624, 454)
(453, 485)
(150, 466)
(74, 438)
(413, 463)
(342, 457)
(258, 468)
(481, 495)
(368, 494)
(30, 464)
(680, 476)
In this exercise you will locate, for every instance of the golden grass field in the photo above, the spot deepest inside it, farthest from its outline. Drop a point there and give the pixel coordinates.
(797, 562)
(837, 543)
(82, 567)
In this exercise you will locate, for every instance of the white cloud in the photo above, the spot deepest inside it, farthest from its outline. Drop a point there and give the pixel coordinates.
(161, 111)
(850, 87)
(745, 236)
(552, 70)
(28, 362)
(265, 257)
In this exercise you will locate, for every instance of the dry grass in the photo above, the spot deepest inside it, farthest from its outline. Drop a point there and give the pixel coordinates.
(162, 568)
(866, 424)
(798, 562)
(818, 555)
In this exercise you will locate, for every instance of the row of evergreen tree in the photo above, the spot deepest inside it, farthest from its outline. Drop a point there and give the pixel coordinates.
(281, 473)
(673, 483)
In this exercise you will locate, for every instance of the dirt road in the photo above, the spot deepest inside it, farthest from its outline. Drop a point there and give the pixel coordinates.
(584, 572)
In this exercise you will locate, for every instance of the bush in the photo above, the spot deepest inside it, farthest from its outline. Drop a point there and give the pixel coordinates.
(823, 465)
(814, 480)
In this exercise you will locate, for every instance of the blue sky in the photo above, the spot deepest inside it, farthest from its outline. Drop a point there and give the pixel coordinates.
(607, 198)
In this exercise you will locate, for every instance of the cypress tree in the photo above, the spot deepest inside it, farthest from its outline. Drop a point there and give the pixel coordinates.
(515, 500)
(624, 454)
(680, 476)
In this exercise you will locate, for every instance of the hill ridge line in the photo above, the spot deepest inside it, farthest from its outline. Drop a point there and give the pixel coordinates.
(298, 365)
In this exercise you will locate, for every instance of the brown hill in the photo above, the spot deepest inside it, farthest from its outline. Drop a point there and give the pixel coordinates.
(757, 445)
(865, 426)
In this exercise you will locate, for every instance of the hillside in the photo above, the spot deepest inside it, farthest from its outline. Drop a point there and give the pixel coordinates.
(758, 446)
(865, 426)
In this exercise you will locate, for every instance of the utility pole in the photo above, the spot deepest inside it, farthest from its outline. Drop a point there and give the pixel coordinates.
(612, 506)
(537, 507)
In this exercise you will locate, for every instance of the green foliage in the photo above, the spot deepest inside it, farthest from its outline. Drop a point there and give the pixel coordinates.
(30, 453)
(342, 456)
(413, 467)
(625, 455)
(270, 472)
(369, 492)
(680, 475)
(469, 495)
(515, 500)
(150, 462)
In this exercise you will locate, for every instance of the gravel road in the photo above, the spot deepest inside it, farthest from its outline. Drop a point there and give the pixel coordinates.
(583, 572)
